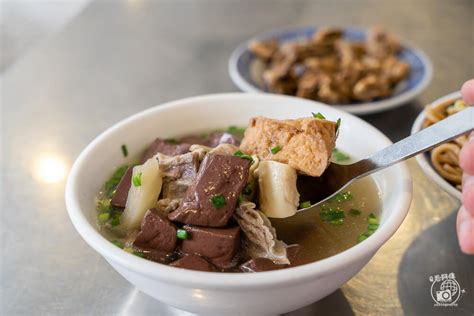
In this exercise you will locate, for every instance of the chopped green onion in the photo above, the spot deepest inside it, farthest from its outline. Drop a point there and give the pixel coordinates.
(139, 254)
(124, 150)
(372, 219)
(362, 237)
(373, 227)
(112, 183)
(248, 189)
(137, 179)
(276, 149)
(171, 141)
(338, 221)
(103, 217)
(354, 212)
(218, 201)
(118, 243)
(319, 115)
(235, 130)
(342, 197)
(103, 205)
(332, 215)
(338, 155)
(305, 204)
(115, 220)
(338, 124)
(240, 154)
(182, 234)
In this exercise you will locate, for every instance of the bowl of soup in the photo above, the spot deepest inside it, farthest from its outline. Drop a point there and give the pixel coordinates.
(200, 203)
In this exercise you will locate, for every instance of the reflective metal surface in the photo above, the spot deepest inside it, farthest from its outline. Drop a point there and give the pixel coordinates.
(117, 58)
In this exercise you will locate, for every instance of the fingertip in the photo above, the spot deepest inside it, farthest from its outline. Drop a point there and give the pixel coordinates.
(467, 92)
(466, 237)
(468, 194)
(465, 230)
(466, 157)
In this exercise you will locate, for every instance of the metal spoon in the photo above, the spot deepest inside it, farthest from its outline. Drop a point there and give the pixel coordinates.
(337, 177)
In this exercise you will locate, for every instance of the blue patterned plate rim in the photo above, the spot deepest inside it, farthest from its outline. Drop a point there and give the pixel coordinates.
(420, 74)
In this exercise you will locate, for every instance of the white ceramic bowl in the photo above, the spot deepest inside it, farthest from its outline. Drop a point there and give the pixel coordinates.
(424, 159)
(227, 293)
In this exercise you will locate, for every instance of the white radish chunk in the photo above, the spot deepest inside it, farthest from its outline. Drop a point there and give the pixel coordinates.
(278, 195)
(143, 194)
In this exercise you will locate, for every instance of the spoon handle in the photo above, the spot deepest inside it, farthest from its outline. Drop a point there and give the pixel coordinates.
(443, 131)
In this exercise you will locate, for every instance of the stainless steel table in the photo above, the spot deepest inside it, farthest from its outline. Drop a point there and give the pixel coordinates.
(118, 58)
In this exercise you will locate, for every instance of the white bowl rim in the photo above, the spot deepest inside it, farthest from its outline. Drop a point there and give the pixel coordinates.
(423, 161)
(360, 108)
(218, 280)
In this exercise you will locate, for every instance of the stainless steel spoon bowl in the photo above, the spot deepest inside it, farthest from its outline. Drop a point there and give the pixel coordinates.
(337, 177)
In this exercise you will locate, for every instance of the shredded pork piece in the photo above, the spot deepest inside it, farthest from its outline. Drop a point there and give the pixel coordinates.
(201, 150)
(221, 149)
(168, 205)
(178, 173)
(260, 237)
(252, 180)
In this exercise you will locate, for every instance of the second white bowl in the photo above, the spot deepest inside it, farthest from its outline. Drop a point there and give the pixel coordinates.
(424, 159)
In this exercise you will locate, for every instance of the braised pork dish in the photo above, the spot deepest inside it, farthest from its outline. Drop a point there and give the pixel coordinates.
(329, 68)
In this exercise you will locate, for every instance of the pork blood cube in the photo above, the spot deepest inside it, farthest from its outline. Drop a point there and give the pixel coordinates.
(218, 245)
(192, 262)
(162, 146)
(156, 232)
(211, 200)
(121, 192)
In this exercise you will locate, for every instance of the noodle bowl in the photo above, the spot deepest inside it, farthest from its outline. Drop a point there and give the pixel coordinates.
(445, 158)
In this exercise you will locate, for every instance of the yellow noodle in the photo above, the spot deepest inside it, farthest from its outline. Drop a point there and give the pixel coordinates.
(445, 158)
(452, 156)
(461, 140)
(432, 116)
(436, 113)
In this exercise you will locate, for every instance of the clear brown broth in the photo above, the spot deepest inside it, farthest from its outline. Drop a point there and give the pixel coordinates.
(320, 239)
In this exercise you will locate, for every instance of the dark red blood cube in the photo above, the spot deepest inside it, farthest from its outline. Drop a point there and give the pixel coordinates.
(192, 262)
(220, 178)
(218, 245)
(164, 147)
(121, 192)
(156, 232)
